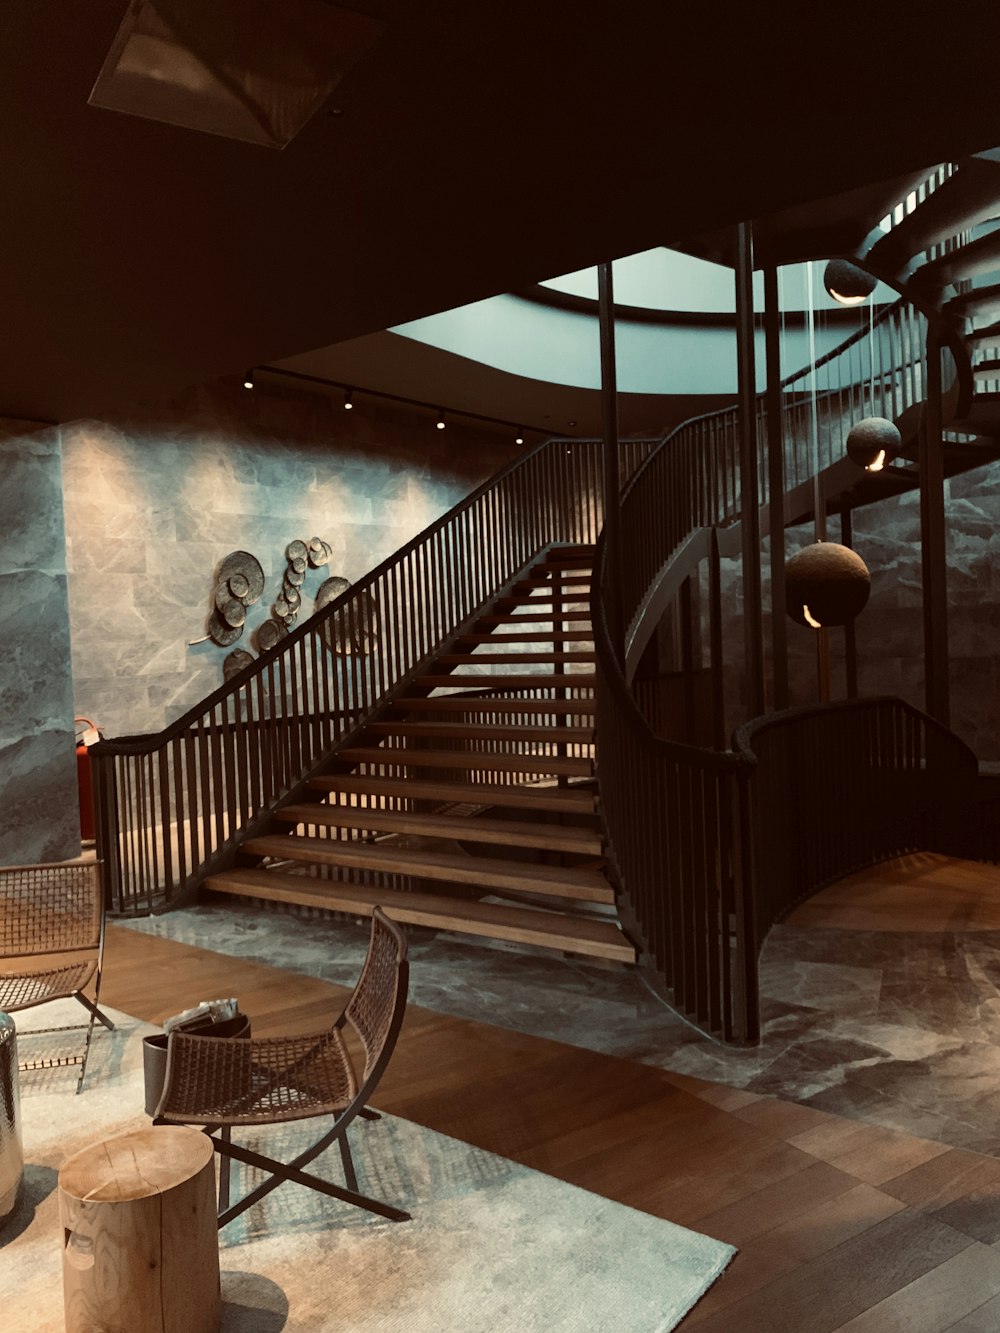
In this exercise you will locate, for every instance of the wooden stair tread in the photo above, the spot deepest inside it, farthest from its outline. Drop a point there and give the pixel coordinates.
(595, 939)
(533, 617)
(555, 799)
(583, 884)
(986, 335)
(507, 763)
(512, 659)
(488, 680)
(539, 594)
(453, 703)
(512, 832)
(498, 640)
(477, 731)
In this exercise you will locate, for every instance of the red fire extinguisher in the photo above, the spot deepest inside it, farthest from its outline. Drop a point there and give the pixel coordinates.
(85, 737)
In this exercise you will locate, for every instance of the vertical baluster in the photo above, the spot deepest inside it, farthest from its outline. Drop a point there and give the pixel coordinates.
(149, 833)
(191, 791)
(179, 803)
(163, 786)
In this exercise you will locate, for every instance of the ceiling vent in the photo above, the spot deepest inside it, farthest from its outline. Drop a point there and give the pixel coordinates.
(246, 69)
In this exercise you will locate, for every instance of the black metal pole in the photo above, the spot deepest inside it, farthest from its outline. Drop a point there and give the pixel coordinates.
(753, 627)
(775, 487)
(933, 548)
(609, 433)
(850, 634)
(715, 642)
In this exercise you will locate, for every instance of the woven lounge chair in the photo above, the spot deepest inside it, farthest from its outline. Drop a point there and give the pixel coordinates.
(225, 1084)
(52, 946)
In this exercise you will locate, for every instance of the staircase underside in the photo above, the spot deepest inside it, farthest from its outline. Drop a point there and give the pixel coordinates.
(468, 806)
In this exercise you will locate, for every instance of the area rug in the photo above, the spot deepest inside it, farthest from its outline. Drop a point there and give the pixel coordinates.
(493, 1247)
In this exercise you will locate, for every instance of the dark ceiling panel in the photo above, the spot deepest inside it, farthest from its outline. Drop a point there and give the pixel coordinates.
(480, 147)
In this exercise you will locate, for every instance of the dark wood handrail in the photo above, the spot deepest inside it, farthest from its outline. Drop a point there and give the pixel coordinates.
(686, 826)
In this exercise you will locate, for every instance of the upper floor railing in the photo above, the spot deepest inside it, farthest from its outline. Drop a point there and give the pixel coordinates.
(693, 479)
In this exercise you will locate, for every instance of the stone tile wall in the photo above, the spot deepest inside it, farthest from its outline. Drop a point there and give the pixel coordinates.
(39, 811)
(154, 502)
(890, 629)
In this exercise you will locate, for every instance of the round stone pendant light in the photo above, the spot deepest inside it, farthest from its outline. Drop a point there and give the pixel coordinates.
(847, 283)
(873, 442)
(826, 584)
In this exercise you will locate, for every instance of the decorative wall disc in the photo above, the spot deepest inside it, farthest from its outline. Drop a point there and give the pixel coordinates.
(329, 590)
(233, 612)
(281, 609)
(319, 553)
(222, 633)
(296, 577)
(268, 635)
(292, 597)
(295, 551)
(239, 585)
(235, 662)
(248, 566)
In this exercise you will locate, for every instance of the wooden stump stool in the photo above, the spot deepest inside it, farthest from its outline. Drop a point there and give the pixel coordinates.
(140, 1241)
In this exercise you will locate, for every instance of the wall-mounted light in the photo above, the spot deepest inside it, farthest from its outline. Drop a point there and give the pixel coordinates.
(348, 396)
(248, 380)
(847, 283)
(873, 442)
(826, 584)
(440, 423)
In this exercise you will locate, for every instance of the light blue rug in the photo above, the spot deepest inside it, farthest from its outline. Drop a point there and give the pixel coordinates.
(493, 1247)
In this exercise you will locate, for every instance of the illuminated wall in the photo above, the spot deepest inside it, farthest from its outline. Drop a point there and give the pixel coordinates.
(39, 818)
(153, 503)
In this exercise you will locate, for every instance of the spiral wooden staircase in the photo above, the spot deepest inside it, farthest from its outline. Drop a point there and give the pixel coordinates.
(428, 740)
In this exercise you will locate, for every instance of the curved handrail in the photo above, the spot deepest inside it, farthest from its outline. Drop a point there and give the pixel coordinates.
(849, 784)
(683, 824)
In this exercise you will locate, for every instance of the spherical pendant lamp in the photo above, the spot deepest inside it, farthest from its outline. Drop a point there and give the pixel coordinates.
(873, 442)
(826, 584)
(847, 283)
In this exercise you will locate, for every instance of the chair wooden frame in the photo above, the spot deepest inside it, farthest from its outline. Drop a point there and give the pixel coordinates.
(223, 1084)
(52, 946)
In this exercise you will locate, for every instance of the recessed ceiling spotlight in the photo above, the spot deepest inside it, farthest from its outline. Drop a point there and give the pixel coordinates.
(440, 420)
(518, 439)
(348, 404)
(570, 423)
(248, 380)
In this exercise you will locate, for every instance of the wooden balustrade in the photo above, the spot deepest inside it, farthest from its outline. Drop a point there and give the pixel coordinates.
(171, 807)
(837, 787)
(710, 846)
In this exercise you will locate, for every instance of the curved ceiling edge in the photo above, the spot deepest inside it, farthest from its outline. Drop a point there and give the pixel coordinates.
(585, 305)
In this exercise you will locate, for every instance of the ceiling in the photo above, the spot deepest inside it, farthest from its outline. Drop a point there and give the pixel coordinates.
(477, 147)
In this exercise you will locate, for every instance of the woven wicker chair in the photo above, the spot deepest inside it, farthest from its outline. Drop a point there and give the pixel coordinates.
(52, 946)
(222, 1084)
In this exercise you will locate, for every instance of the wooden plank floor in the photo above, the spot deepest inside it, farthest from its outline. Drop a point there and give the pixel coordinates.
(922, 892)
(842, 1227)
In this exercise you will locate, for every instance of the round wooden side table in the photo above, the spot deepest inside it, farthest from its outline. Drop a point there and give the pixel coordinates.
(140, 1235)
